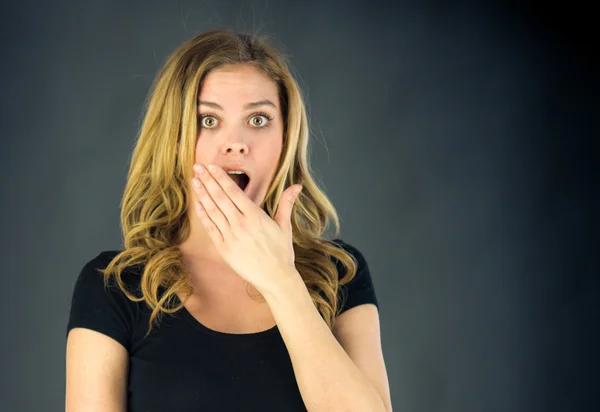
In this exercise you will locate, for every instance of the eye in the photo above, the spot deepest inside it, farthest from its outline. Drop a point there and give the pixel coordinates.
(259, 120)
(208, 121)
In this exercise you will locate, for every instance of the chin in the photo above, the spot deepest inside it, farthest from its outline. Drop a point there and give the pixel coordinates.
(258, 200)
(252, 195)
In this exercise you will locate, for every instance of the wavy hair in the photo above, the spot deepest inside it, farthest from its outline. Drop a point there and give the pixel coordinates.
(154, 218)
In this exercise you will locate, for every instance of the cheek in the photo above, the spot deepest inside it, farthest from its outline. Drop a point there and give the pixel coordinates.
(204, 150)
(275, 149)
(271, 151)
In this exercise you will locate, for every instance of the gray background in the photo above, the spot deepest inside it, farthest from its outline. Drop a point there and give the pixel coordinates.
(455, 141)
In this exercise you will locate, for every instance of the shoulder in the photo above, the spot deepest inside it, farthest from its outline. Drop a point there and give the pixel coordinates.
(103, 306)
(91, 275)
(360, 289)
(100, 261)
(354, 252)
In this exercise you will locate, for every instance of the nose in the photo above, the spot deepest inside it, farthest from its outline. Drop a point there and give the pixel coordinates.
(235, 147)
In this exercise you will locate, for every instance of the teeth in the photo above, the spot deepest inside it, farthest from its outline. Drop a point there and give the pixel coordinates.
(235, 172)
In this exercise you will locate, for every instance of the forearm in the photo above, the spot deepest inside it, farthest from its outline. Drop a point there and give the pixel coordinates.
(327, 378)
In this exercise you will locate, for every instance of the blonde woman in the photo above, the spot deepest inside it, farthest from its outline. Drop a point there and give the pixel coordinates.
(226, 295)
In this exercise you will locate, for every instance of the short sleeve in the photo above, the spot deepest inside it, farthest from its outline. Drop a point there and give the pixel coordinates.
(104, 309)
(360, 290)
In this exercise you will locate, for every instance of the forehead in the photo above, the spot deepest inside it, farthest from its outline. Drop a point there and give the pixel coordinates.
(234, 85)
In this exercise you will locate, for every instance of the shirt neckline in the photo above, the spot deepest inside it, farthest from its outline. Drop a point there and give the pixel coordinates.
(226, 335)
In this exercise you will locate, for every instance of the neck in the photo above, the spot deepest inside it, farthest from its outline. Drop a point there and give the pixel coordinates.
(199, 246)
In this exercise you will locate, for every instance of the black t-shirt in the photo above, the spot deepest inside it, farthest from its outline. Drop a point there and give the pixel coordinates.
(185, 366)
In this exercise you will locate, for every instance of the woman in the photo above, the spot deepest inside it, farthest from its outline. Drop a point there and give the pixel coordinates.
(226, 296)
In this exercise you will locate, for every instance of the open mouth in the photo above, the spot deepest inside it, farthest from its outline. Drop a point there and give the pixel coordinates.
(241, 180)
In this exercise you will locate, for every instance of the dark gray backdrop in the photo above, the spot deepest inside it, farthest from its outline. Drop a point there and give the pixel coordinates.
(455, 141)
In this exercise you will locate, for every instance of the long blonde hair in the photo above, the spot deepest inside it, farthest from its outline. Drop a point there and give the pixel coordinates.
(154, 217)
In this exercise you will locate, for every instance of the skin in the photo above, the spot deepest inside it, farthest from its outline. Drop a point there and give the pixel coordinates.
(232, 134)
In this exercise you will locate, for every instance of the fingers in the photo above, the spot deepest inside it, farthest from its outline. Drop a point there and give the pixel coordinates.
(214, 221)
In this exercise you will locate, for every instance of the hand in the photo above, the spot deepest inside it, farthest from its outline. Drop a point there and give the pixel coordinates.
(259, 249)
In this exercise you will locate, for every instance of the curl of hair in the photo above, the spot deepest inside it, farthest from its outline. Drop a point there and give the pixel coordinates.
(154, 218)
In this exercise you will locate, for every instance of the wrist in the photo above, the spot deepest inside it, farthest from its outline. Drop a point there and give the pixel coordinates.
(290, 283)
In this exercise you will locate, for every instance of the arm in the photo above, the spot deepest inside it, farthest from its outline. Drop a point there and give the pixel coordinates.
(96, 370)
(358, 332)
(328, 378)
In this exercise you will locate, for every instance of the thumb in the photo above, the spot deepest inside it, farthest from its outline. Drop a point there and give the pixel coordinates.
(286, 204)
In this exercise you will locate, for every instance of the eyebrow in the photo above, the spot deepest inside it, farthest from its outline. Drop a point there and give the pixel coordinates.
(246, 106)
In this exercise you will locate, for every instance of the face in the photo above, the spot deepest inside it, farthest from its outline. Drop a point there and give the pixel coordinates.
(240, 124)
